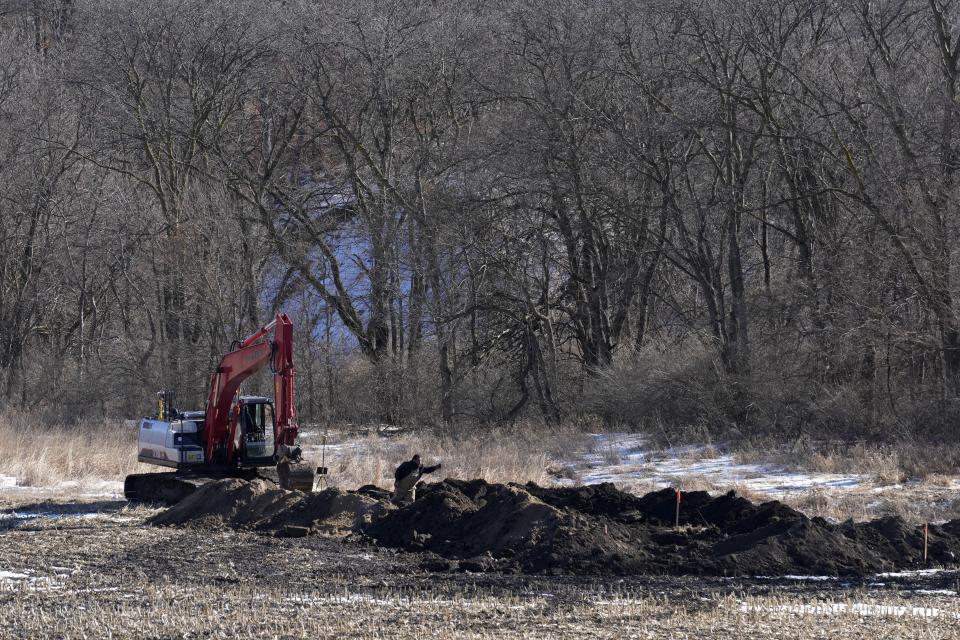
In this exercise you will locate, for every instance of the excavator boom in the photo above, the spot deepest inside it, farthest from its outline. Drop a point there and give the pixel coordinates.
(249, 357)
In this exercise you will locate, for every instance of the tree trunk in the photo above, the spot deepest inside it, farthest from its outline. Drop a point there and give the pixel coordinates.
(739, 345)
(446, 383)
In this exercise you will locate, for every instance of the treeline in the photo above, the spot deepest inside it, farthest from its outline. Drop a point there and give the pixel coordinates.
(724, 214)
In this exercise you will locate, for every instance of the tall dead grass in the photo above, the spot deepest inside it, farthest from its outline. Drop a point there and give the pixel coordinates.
(520, 454)
(37, 454)
(886, 463)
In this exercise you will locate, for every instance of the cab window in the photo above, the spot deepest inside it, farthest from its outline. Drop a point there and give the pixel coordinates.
(256, 426)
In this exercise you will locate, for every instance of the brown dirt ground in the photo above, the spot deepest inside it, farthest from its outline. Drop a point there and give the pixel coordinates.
(113, 574)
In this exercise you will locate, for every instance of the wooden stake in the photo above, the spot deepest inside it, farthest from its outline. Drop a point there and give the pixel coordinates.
(676, 522)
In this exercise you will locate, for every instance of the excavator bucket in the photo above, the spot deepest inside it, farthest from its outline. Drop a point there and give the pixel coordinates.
(296, 476)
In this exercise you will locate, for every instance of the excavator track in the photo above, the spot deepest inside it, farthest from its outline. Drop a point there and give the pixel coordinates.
(161, 488)
(170, 488)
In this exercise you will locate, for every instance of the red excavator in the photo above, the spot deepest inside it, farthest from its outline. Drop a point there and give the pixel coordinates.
(237, 436)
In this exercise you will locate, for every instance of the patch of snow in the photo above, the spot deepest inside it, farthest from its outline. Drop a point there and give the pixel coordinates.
(889, 487)
(7, 482)
(30, 515)
(831, 609)
(73, 488)
(626, 457)
(911, 574)
(55, 515)
(27, 516)
(13, 575)
(361, 598)
(98, 590)
(935, 592)
(13, 580)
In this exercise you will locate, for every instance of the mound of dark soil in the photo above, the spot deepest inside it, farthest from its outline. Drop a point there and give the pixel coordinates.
(260, 504)
(601, 530)
(232, 501)
(595, 530)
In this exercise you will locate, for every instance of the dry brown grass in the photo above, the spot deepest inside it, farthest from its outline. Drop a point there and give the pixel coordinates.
(48, 455)
(498, 455)
(880, 463)
(40, 455)
(885, 463)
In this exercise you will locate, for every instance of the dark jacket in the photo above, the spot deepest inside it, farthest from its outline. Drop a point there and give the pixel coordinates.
(410, 467)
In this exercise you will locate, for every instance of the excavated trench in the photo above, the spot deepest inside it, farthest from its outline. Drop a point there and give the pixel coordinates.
(594, 530)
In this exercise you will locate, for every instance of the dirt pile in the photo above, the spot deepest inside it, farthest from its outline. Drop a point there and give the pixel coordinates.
(261, 505)
(474, 525)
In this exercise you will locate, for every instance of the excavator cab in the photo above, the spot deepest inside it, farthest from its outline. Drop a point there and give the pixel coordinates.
(255, 431)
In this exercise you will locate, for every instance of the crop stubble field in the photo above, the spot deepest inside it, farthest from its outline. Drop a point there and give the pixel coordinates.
(73, 575)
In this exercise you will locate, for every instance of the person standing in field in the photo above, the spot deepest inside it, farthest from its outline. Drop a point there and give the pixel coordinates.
(406, 477)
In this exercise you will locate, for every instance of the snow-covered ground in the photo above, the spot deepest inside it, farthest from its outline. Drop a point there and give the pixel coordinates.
(625, 458)
(57, 515)
(903, 580)
(631, 462)
(90, 488)
(859, 609)
(29, 580)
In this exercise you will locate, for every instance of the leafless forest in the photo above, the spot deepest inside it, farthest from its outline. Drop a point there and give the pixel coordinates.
(736, 215)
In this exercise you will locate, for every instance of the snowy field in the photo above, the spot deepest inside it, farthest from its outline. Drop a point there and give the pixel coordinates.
(622, 458)
(626, 458)
(87, 488)
(628, 461)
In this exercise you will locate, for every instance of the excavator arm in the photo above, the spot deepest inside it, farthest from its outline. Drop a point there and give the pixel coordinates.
(250, 356)
(283, 378)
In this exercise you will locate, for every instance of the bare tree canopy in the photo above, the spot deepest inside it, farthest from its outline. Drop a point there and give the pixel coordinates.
(719, 212)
